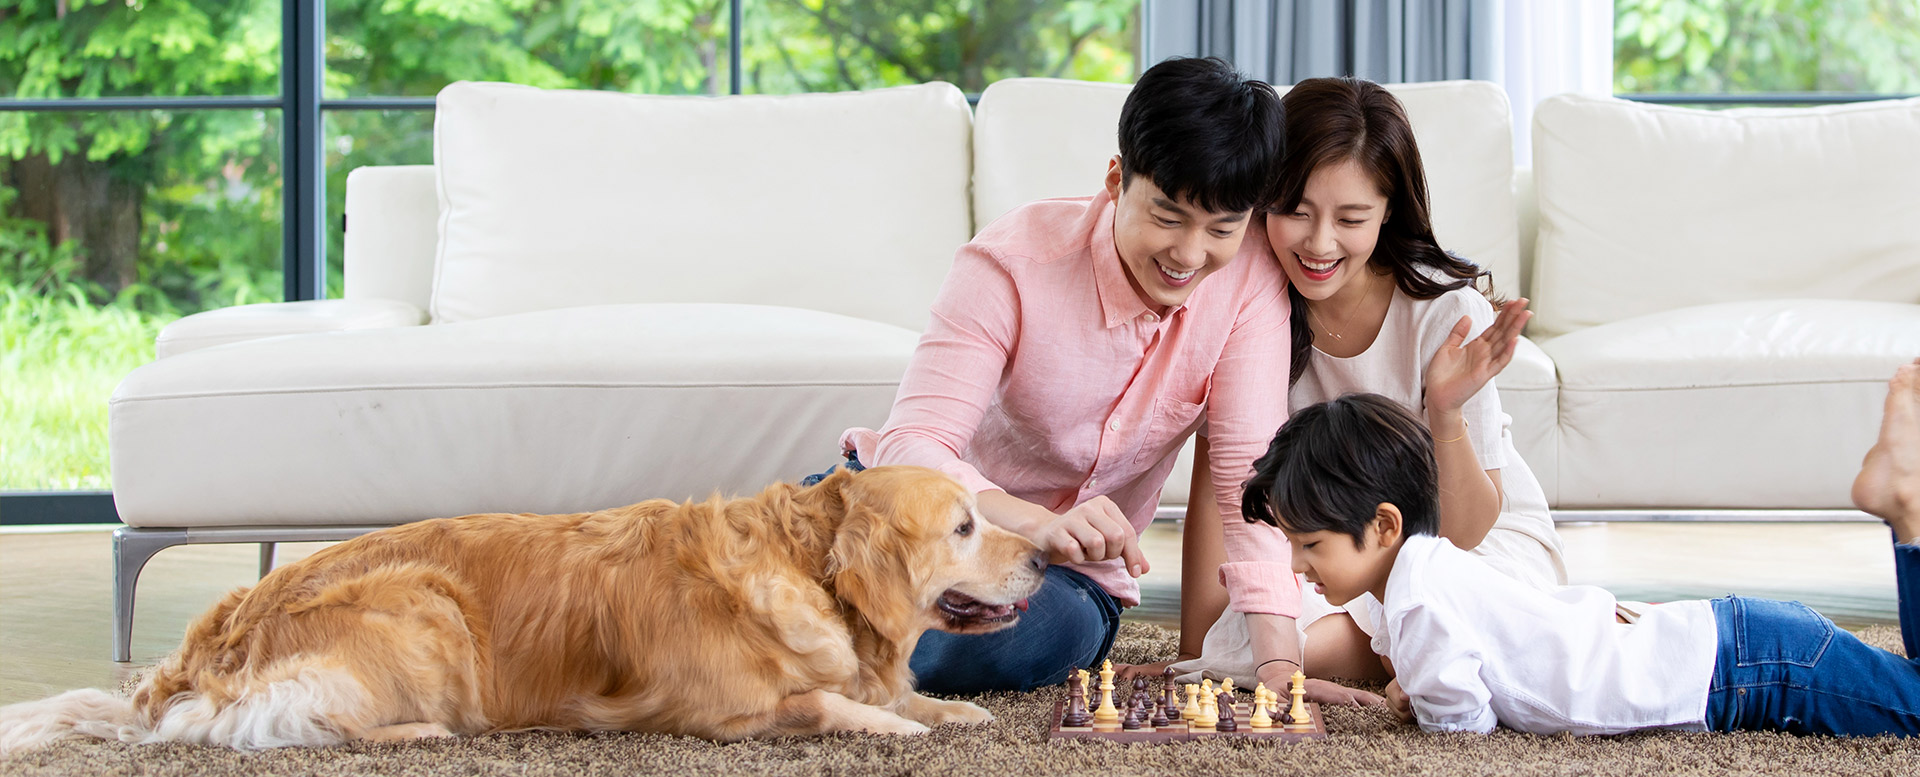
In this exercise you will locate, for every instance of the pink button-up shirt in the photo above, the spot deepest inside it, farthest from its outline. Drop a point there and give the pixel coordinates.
(1045, 375)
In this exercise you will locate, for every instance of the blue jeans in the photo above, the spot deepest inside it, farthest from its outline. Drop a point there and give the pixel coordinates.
(1784, 667)
(1070, 622)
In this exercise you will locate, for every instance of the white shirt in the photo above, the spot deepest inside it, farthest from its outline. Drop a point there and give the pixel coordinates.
(1395, 366)
(1473, 647)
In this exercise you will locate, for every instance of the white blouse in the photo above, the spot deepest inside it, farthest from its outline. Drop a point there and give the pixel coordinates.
(1473, 647)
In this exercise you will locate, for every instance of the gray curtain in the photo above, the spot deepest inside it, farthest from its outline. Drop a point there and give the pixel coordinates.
(1283, 41)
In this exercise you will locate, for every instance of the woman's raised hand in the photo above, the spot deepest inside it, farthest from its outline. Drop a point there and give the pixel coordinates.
(1460, 368)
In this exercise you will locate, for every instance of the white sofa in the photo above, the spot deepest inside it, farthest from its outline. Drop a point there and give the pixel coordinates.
(591, 299)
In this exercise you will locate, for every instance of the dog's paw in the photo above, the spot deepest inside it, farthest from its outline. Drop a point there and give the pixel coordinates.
(897, 725)
(934, 712)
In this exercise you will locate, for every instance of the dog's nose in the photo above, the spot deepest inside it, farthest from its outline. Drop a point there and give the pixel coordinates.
(1038, 561)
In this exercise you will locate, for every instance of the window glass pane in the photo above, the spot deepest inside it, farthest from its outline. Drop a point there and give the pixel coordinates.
(1735, 46)
(823, 46)
(382, 48)
(163, 48)
(359, 139)
(111, 225)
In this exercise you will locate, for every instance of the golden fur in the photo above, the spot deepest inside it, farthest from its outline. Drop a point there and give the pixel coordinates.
(790, 612)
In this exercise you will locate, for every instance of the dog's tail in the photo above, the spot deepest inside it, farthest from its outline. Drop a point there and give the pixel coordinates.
(85, 712)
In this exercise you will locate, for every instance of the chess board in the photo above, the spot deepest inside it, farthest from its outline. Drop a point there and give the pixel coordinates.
(1178, 731)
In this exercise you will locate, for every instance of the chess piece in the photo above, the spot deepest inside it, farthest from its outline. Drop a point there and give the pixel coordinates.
(1209, 712)
(1192, 710)
(1170, 690)
(1298, 712)
(1107, 713)
(1225, 705)
(1133, 721)
(1260, 720)
(1162, 714)
(1076, 714)
(1227, 686)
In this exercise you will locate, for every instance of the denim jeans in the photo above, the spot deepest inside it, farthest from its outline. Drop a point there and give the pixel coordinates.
(1784, 667)
(1070, 622)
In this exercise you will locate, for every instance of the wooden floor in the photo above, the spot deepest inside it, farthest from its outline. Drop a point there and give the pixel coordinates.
(56, 588)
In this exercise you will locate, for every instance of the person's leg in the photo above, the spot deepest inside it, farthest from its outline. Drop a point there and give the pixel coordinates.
(1070, 622)
(1784, 667)
(1889, 487)
(1338, 649)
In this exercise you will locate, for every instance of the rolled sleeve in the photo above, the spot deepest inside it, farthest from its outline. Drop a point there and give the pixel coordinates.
(1262, 587)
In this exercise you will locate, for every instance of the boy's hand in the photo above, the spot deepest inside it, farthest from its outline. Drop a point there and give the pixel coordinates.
(1460, 368)
(1094, 530)
(1397, 700)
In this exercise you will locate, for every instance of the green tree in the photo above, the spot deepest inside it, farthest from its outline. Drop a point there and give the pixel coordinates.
(1716, 46)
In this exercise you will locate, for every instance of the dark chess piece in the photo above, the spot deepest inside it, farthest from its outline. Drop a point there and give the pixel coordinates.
(1170, 693)
(1225, 705)
(1076, 715)
(1286, 718)
(1135, 718)
(1160, 714)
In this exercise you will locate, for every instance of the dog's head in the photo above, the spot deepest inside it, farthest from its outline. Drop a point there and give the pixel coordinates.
(912, 553)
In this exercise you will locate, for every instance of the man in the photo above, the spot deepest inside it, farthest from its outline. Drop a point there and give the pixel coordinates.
(1074, 347)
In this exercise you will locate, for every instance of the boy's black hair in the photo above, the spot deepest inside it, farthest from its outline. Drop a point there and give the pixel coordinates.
(1203, 134)
(1332, 464)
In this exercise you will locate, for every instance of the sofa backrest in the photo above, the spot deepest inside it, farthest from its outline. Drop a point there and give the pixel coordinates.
(1646, 208)
(1035, 138)
(849, 203)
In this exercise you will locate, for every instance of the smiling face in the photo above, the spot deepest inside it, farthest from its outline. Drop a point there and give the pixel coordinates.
(1341, 569)
(1167, 245)
(1325, 243)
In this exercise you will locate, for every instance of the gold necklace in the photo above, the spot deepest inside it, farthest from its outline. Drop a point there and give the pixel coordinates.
(1344, 322)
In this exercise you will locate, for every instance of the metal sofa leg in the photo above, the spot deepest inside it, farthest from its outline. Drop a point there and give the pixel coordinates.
(266, 557)
(131, 549)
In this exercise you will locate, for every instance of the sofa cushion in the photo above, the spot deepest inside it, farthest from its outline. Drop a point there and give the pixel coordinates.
(548, 412)
(1530, 395)
(273, 319)
(1761, 404)
(391, 217)
(846, 203)
(1035, 138)
(1645, 208)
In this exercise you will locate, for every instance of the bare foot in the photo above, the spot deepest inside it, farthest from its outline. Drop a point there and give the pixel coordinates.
(1889, 482)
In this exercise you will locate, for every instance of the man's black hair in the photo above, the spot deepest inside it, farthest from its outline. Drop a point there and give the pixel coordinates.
(1333, 463)
(1203, 134)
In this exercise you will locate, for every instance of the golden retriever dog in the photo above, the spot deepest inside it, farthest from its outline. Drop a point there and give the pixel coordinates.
(790, 612)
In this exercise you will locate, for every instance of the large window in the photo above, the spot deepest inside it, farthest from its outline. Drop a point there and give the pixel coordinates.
(151, 152)
(1766, 51)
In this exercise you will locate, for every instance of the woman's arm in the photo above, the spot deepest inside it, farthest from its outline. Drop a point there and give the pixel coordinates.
(1470, 496)
(1202, 551)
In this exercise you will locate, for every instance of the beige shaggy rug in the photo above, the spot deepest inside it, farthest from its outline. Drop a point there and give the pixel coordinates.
(1367, 742)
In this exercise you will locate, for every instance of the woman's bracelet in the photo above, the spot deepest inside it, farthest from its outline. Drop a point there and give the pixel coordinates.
(1263, 664)
(1463, 435)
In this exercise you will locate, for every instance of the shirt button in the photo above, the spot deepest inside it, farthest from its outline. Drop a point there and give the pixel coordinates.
(1113, 426)
(1092, 482)
(1151, 317)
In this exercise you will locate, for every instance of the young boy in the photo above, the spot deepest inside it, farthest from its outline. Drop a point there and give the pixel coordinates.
(1073, 348)
(1351, 482)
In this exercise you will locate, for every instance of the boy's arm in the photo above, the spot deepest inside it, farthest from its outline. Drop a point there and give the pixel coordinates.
(1440, 673)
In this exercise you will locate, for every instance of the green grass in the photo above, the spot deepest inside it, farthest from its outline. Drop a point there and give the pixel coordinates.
(60, 359)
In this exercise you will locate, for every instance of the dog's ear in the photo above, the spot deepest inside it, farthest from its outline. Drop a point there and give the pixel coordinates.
(875, 566)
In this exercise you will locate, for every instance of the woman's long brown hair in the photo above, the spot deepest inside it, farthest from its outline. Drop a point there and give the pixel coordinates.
(1332, 120)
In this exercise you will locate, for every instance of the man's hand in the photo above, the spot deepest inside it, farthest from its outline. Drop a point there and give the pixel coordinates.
(1094, 530)
(1325, 692)
(1397, 700)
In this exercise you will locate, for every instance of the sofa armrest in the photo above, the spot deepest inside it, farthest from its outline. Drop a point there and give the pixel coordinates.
(252, 322)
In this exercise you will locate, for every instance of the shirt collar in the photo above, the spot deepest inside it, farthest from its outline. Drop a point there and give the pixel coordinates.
(1119, 303)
